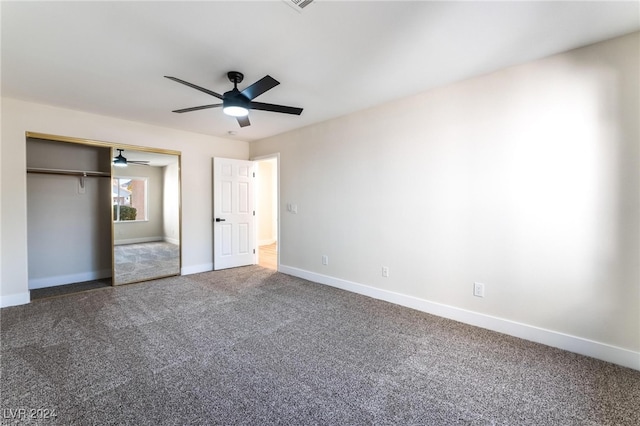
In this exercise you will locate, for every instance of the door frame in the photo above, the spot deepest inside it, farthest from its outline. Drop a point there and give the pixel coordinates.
(274, 156)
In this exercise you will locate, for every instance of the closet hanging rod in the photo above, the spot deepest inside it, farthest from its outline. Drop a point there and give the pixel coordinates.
(68, 172)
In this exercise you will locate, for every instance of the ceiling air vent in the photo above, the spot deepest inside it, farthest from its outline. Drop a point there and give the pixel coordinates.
(298, 4)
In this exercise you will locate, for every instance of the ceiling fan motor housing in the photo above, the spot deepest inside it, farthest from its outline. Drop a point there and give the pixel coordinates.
(234, 98)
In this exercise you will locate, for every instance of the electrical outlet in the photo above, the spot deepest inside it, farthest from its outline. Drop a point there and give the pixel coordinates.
(325, 259)
(385, 271)
(478, 289)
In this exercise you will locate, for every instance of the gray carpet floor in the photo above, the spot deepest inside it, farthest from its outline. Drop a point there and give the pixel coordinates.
(253, 346)
(61, 290)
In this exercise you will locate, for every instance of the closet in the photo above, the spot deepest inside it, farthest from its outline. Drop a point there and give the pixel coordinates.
(68, 213)
(75, 240)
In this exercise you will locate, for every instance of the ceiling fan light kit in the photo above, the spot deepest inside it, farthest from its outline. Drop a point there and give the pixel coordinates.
(237, 103)
(235, 111)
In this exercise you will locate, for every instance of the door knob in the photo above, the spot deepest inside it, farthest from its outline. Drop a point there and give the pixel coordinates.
(219, 220)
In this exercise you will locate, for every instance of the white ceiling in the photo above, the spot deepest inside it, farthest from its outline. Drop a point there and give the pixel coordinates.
(334, 58)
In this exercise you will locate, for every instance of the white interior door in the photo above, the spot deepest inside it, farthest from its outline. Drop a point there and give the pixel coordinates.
(234, 234)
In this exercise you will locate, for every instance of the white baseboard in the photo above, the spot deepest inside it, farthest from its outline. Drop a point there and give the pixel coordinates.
(15, 300)
(196, 269)
(137, 240)
(602, 351)
(171, 241)
(37, 283)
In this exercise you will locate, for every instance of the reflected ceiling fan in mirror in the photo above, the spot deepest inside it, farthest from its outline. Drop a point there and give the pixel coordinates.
(121, 161)
(237, 103)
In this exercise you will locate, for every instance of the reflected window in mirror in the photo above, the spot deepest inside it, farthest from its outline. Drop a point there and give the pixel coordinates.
(130, 199)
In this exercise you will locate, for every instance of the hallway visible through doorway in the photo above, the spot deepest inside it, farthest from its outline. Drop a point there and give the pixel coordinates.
(269, 256)
(267, 211)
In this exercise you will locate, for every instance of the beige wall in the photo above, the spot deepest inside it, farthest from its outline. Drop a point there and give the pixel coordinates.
(525, 180)
(197, 150)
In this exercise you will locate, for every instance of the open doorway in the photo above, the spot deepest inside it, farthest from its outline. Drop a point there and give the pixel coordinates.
(267, 211)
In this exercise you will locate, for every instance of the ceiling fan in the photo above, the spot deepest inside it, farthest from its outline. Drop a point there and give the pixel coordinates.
(121, 160)
(237, 103)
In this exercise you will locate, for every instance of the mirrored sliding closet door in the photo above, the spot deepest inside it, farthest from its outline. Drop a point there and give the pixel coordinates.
(146, 214)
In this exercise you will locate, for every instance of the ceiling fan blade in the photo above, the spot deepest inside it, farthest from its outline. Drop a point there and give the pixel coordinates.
(138, 161)
(244, 121)
(202, 89)
(259, 87)
(197, 108)
(275, 108)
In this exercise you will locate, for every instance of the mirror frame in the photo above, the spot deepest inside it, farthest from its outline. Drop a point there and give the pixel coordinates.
(114, 146)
